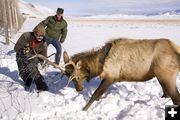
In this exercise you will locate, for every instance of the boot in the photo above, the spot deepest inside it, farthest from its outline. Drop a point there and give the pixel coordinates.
(44, 87)
(40, 84)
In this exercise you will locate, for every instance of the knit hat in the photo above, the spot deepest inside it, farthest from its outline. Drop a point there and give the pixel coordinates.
(60, 11)
(39, 30)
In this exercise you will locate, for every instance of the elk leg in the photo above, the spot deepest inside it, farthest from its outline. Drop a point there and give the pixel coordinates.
(173, 93)
(104, 85)
(165, 94)
(168, 82)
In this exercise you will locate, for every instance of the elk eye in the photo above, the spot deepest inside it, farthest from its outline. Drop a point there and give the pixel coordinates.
(78, 78)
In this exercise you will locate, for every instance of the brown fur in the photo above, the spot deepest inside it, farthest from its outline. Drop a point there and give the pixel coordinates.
(129, 60)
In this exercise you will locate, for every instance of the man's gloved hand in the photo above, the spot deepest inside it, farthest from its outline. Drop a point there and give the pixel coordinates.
(26, 53)
(26, 50)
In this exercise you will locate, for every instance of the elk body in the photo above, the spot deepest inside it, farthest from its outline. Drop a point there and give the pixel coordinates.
(127, 60)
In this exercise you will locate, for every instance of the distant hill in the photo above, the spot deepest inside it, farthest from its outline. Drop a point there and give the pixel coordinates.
(34, 11)
(174, 12)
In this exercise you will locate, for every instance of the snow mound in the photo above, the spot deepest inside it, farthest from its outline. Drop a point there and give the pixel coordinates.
(34, 11)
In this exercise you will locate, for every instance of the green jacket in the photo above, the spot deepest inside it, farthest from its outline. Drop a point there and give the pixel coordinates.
(55, 29)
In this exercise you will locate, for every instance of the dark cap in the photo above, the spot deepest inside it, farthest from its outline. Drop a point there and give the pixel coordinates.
(60, 11)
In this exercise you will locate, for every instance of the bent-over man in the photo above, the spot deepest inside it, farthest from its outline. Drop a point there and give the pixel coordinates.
(29, 44)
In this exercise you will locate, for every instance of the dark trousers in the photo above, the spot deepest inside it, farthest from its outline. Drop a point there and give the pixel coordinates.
(57, 46)
(29, 72)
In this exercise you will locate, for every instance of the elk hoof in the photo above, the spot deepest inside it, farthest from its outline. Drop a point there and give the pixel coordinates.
(97, 99)
(84, 109)
(164, 96)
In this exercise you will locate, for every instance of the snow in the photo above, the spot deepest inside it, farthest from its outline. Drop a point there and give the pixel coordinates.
(132, 17)
(34, 11)
(122, 101)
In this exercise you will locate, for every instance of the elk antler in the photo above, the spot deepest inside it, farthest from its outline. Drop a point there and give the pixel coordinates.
(73, 74)
(71, 63)
(48, 62)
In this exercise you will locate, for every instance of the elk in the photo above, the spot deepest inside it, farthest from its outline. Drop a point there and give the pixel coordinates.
(126, 59)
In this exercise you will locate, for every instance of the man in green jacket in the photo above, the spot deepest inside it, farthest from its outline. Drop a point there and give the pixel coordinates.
(56, 31)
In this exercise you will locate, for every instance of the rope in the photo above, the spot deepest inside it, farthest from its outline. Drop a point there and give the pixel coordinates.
(12, 41)
(51, 55)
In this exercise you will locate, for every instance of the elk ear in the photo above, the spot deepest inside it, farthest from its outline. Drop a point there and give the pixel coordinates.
(65, 57)
(79, 64)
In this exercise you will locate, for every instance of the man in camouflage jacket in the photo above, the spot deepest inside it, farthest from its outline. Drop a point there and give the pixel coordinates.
(29, 44)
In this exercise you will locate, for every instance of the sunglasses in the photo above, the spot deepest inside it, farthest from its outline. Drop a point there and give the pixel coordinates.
(39, 36)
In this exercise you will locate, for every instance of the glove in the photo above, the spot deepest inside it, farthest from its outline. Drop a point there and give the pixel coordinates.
(26, 50)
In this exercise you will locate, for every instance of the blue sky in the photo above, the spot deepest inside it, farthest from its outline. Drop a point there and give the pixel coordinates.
(95, 7)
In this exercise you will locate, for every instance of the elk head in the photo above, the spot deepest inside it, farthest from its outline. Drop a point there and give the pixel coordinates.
(75, 72)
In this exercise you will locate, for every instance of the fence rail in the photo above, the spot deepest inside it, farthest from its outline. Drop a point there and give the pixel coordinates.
(10, 19)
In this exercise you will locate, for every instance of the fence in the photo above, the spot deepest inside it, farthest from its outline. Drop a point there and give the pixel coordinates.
(10, 19)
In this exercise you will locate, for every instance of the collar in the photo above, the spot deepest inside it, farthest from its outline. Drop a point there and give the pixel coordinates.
(57, 19)
(35, 42)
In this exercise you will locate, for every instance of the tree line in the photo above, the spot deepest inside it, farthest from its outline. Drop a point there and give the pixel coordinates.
(10, 19)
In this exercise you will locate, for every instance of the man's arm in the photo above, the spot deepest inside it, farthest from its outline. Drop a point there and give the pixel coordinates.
(64, 33)
(20, 44)
(45, 22)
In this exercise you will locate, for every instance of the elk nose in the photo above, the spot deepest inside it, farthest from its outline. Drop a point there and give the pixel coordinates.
(79, 89)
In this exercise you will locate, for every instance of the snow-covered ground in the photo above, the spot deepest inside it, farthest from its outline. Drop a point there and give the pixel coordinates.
(122, 101)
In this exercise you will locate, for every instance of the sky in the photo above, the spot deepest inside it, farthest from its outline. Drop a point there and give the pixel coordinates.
(110, 6)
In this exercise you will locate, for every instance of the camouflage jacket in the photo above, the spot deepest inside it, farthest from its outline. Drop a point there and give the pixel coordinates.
(25, 43)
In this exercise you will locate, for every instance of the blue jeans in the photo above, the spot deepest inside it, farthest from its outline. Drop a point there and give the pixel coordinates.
(58, 47)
